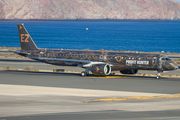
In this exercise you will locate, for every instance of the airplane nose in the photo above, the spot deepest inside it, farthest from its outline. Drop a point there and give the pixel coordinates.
(174, 66)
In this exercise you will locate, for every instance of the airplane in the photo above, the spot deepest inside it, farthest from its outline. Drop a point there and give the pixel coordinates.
(98, 62)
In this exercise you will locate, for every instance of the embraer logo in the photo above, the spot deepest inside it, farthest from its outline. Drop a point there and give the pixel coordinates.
(24, 37)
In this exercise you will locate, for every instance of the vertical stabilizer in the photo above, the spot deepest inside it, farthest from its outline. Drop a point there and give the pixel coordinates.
(26, 41)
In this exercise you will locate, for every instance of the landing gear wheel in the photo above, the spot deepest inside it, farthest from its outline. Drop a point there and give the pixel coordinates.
(158, 75)
(83, 74)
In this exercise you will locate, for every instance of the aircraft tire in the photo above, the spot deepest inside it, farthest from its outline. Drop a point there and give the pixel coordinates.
(83, 74)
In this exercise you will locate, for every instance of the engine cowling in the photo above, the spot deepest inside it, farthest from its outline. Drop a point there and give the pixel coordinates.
(129, 71)
(101, 69)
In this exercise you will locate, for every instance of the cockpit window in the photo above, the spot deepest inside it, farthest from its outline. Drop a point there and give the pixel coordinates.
(168, 59)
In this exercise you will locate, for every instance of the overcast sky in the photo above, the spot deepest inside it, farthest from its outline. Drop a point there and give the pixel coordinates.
(177, 0)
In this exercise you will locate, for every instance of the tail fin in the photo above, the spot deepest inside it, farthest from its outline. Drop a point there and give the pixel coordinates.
(26, 41)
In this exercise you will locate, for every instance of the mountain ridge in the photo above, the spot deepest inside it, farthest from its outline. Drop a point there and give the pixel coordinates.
(90, 9)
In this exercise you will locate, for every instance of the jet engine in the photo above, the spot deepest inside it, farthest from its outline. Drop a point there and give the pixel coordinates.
(129, 71)
(101, 69)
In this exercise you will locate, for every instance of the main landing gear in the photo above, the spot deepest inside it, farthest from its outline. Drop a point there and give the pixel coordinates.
(85, 73)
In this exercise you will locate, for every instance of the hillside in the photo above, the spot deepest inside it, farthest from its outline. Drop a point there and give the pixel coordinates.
(90, 9)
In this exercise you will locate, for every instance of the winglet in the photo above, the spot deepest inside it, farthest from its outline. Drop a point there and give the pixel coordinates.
(26, 41)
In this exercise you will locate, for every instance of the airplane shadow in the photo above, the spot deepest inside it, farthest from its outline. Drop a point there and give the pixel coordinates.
(79, 75)
(41, 73)
(18, 60)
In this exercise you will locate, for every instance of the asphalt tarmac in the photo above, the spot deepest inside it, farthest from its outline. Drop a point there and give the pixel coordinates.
(54, 96)
(40, 95)
(113, 83)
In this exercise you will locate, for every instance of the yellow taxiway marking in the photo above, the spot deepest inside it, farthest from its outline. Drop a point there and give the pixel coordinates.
(107, 77)
(137, 98)
(132, 98)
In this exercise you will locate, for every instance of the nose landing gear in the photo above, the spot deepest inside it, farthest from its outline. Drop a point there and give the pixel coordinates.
(159, 74)
(159, 69)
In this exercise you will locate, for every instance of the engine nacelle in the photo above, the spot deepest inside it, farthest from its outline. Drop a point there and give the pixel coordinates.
(129, 71)
(101, 69)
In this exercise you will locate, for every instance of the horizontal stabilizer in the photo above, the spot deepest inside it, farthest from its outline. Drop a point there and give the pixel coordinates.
(20, 53)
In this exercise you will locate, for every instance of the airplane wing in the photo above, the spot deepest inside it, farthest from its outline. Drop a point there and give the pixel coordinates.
(81, 63)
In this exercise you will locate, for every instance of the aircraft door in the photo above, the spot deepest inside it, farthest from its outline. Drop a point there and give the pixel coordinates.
(103, 57)
(154, 61)
(41, 54)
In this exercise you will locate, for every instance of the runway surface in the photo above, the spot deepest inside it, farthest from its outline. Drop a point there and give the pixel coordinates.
(47, 96)
(40, 95)
(69, 80)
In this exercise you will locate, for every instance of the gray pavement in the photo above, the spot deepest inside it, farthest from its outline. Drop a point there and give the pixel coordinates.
(70, 80)
(105, 115)
(45, 101)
